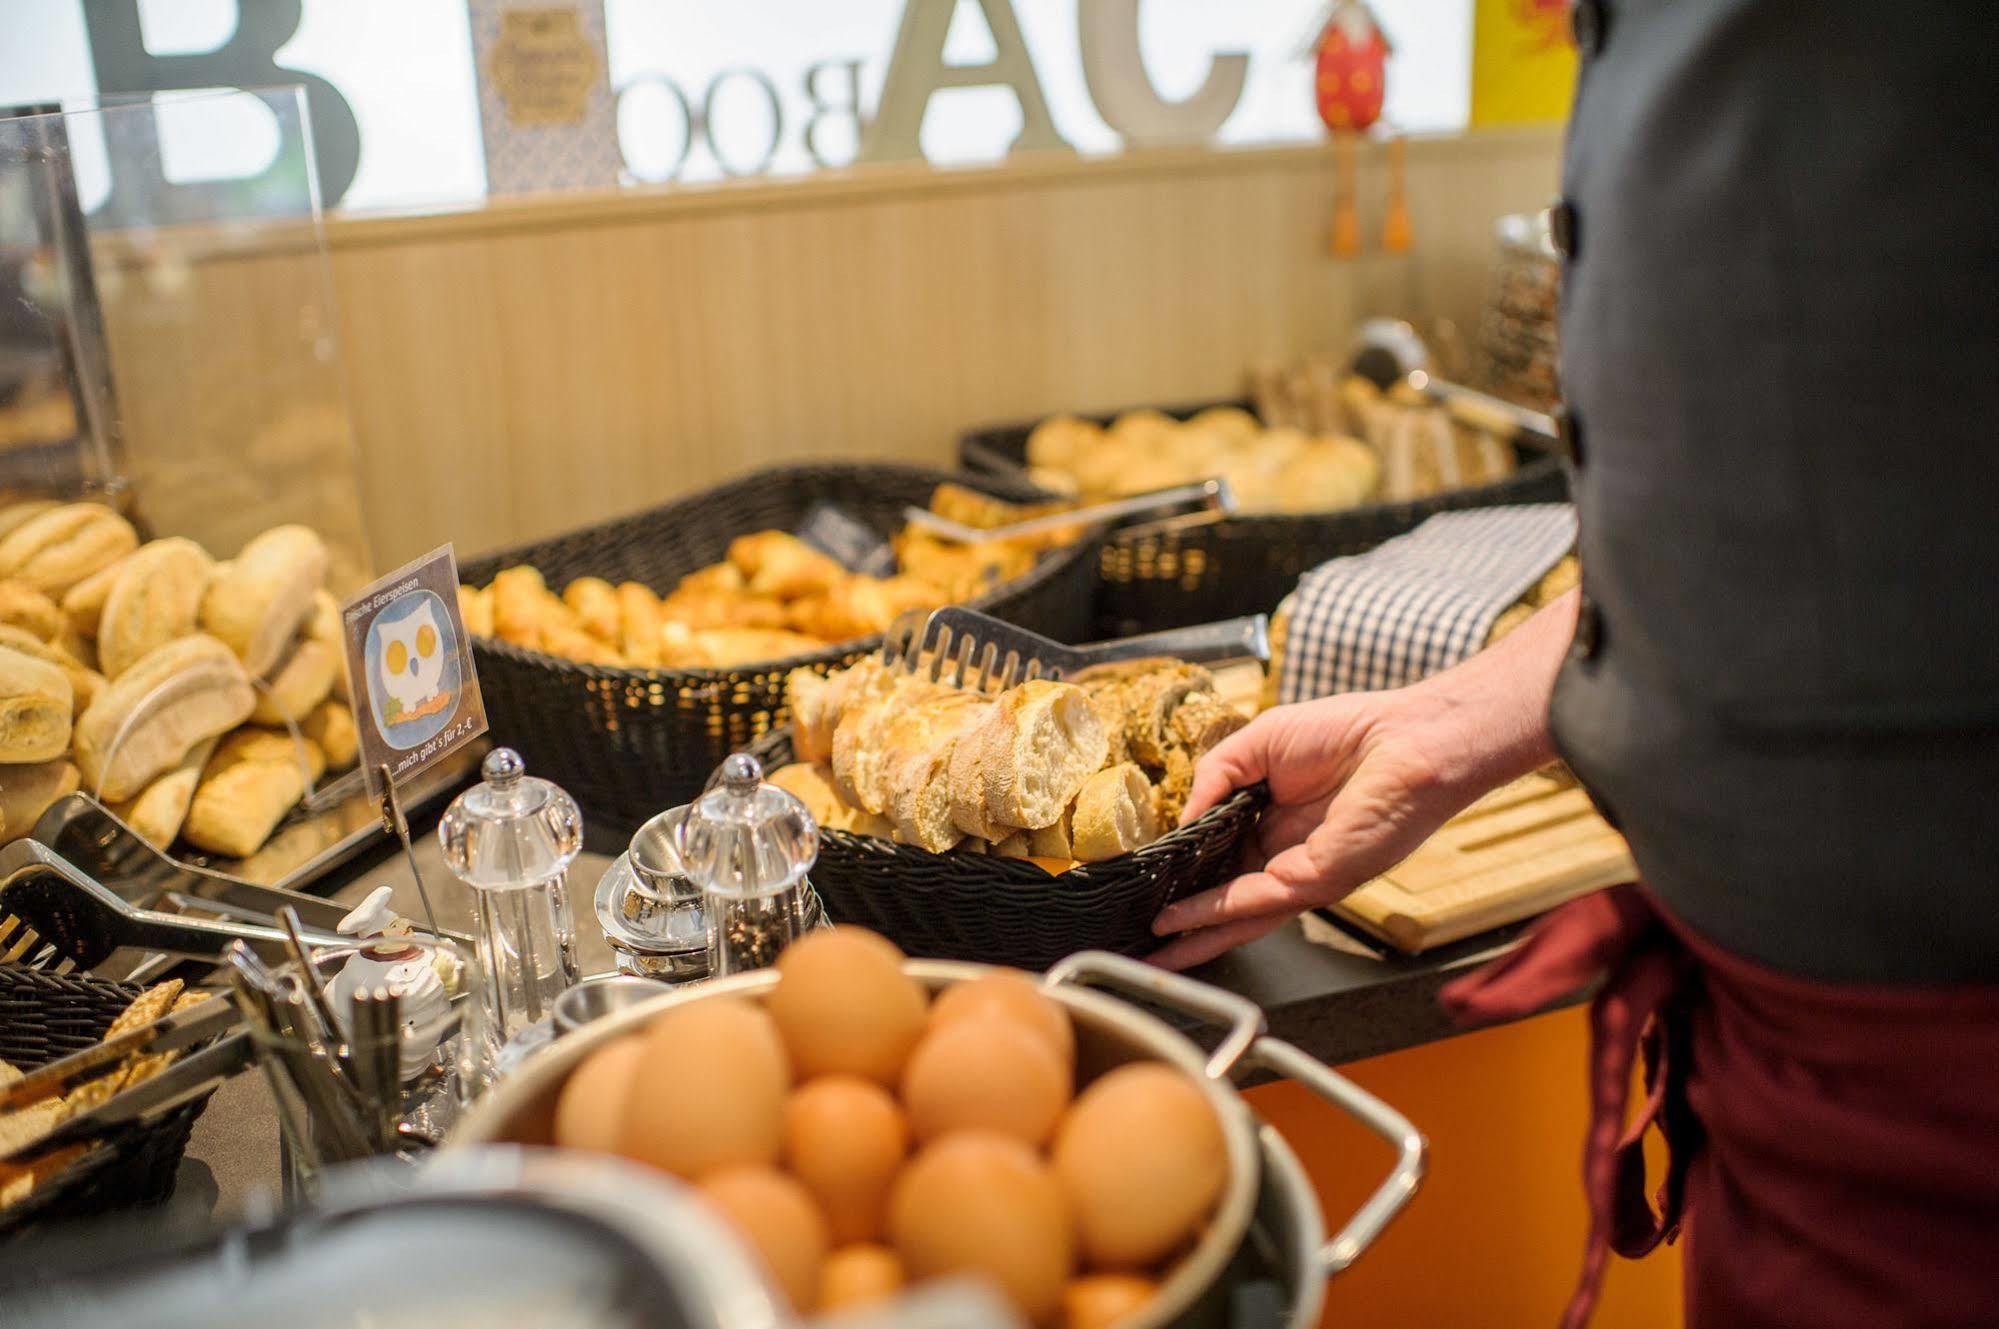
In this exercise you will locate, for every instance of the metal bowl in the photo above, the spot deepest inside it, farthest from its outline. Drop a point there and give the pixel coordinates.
(1109, 1033)
(600, 997)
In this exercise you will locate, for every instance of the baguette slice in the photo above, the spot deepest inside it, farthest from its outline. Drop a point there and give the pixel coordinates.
(36, 707)
(1113, 814)
(184, 692)
(919, 796)
(1041, 744)
(27, 791)
(1057, 841)
(817, 705)
(256, 602)
(154, 598)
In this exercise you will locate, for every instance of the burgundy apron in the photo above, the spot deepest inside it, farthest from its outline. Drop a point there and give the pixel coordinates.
(1836, 1147)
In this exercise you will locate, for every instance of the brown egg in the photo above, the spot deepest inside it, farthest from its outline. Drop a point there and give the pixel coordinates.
(984, 1072)
(845, 1007)
(778, 1218)
(1142, 1159)
(1010, 995)
(845, 1138)
(590, 1113)
(709, 1090)
(858, 1275)
(982, 1203)
(1100, 1301)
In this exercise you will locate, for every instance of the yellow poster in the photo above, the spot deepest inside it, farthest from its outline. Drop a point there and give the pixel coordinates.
(1523, 62)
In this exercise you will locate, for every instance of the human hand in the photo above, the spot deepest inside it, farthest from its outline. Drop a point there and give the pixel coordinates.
(1359, 781)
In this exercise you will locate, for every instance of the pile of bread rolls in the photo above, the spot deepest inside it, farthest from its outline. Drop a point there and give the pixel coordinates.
(774, 596)
(1270, 470)
(161, 680)
(1060, 773)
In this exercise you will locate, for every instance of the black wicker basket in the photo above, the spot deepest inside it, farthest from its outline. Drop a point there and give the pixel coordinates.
(1006, 911)
(630, 742)
(45, 1016)
(1174, 575)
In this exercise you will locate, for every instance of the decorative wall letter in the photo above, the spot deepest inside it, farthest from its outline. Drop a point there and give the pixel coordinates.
(1125, 97)
(916, 72)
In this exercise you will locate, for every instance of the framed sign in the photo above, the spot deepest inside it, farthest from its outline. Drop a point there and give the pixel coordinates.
(409, 661)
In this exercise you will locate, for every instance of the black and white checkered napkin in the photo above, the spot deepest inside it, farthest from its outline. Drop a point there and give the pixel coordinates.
(1418, 603)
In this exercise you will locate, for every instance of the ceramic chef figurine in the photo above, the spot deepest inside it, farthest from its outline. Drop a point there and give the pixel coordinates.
(395, 963)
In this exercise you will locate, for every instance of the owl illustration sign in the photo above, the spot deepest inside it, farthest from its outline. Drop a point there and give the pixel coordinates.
(407, 652)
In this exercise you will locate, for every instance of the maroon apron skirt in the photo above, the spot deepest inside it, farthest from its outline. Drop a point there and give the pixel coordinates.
(1834, 1148)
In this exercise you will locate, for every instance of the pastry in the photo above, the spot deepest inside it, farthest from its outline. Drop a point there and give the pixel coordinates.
(54, 550)
(256, 602)
(475, 606)
(302, 681)
(159, 809)
(252, 743)
(1114, 814)
(242, 798)
(331, 726)
(84, 682)
(24, 607)
(186, 691)
(779, 565)
(639, 622)
(595, 603)
(154, 597)
(27, 791)
(523, 605)
(1027, 759)
(36, 706)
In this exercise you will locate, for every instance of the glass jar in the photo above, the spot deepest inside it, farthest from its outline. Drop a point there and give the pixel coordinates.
(511, 839)
(749, 845)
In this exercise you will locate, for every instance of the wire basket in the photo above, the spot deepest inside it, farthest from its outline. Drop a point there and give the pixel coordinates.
(44, 1016)
(1172, 574)
(962, 906)
(629, 742)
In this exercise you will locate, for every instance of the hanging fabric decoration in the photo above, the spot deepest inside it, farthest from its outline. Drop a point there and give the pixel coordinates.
(1350, 80)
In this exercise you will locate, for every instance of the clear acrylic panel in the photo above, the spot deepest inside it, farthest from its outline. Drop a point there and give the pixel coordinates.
(168, 335)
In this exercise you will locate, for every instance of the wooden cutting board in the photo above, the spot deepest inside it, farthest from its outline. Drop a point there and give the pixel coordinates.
(1522, 849)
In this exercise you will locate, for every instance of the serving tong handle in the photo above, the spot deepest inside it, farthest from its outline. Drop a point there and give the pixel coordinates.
(1247, 1046)
(1213, 495)
(981, 652)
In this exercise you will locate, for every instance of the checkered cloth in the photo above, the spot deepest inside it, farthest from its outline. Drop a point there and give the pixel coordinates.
(1418, 603)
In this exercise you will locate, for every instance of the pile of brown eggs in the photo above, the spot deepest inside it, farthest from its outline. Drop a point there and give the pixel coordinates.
(862, 1136)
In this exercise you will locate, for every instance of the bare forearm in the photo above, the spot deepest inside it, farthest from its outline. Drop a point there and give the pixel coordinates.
(1501, 696)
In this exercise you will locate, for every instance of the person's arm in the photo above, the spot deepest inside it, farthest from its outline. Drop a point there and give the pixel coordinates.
(1357, 782)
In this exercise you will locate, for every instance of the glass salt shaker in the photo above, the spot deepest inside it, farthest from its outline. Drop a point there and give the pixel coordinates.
(512, 839)
(749, 845)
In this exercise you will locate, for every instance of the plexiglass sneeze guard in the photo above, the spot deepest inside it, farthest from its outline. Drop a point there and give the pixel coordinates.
(168, 339)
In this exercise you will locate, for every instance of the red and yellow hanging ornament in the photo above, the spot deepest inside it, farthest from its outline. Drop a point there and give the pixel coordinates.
(1350, 82)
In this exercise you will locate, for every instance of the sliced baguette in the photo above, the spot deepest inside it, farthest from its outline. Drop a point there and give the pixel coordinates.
(1041, 744)
(919, 789)
(1113, 814)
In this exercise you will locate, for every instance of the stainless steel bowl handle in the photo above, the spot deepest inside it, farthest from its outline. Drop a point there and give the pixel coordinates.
(1360, 1231)
(1107, 969)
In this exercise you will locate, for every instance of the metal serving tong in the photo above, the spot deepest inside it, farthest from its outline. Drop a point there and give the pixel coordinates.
(53, 916)
(169, 1033)
(978, 651)
(182, 1082)
(1390, 353)
(1212, 496)
(94, 841)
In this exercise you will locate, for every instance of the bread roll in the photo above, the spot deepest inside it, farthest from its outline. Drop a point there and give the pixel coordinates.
(475, 606)
(1114, 814)
(27, 791)
(54, 550)
(83, 603)
(1027, 760)
(256, 602)
(26, 608)
(639, 622)
(16, 515)
(595, 604)
(323, 624)
(235, 809)
(1203, 720)
(85, 683)
(300, 683)
(161, 807)
(184, 692)
(331, 726)
(36, 707)
(154, 598)
(253, 743)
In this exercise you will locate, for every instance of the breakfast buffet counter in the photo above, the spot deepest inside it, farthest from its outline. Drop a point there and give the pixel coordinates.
(1336, 1005)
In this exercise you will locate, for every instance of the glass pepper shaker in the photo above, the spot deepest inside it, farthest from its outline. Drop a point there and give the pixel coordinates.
(511, 839)
(749, 845)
